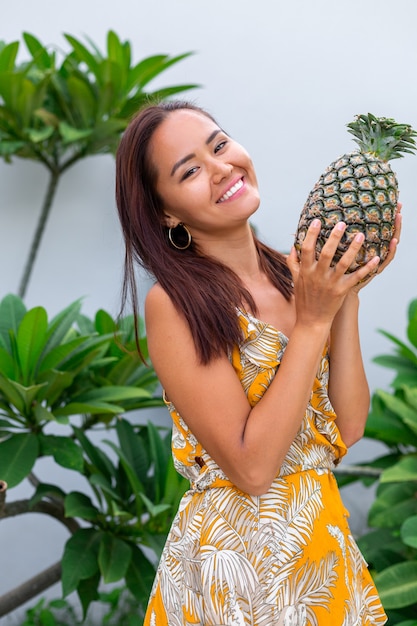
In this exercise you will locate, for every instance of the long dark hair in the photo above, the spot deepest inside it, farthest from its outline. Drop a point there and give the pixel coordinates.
(204, 290)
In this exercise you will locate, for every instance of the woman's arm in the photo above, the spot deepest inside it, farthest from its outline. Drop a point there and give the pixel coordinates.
(250, 444)
(348, 386)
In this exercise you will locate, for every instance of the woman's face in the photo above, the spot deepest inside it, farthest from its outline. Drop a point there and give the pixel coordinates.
(204, 178)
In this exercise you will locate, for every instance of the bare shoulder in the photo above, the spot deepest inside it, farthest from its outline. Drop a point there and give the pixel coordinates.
(157, 298)
(160, 310)
(166, 328)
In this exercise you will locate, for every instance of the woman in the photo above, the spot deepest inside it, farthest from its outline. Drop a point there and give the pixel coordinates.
(261, 366)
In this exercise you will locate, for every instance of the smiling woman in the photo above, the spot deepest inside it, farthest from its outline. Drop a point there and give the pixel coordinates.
(260, 362)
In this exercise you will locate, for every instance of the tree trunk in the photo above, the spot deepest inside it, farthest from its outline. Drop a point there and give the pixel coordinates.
(40, 228)
(29, 589)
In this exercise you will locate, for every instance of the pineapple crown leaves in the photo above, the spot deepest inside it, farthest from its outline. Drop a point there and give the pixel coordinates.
(382, 136)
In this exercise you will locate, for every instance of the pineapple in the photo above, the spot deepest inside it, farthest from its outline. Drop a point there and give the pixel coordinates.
(360, 189)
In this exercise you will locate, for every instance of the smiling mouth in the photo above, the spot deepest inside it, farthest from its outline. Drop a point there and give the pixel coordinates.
(231, 192)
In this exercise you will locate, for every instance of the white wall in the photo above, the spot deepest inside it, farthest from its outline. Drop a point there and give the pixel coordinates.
(283, 78)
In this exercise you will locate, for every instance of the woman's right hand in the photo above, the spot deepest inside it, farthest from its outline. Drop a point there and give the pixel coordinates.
(319, 287)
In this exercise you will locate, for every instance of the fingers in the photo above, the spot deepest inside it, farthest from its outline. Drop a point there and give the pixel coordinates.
(365, 274)
(293, 263)
(308, 251)
(397, 226)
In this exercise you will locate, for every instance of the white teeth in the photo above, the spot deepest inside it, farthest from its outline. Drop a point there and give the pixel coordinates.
(232, 191)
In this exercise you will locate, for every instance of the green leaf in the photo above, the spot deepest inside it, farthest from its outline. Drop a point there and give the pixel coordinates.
(12, 395)
(89, 350)
(60, 325)
(112, 394)
(70, 134)
(395, 502)
(83, 101)
(87, 591)
(12, 311)
(409, 531)
(56, 383)
(116, 51)
(104, 323)
(45, 490)
(79, 505)
(159, 458)
(406, 354)
(98, 458)
(79, 561)
(381, 548)
(175, 485)
(410, 396)
(93, 408)
(59, 355)
(39, 135)
(64, 450)
(154, 509)
(23, 398)
(8, 148)
(133, 449)
(133, 479)
(8, 56)
(7, 364)
(147, 69)
(168, 92)
(404, 470)
(399, 407)
(140, 576)
(85, 324)
(98, 480)
(114, 558)
(397, 585)
(388, 428)
(39, 53)
(29, 98)
(42, 414)
(30, 341)
(412, 326)
(17, 457)
(85, 56)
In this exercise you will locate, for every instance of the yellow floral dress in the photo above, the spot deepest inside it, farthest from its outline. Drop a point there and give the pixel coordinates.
(286, 558)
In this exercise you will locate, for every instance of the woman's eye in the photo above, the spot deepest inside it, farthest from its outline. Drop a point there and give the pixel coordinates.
(189, 173)
(220, 146)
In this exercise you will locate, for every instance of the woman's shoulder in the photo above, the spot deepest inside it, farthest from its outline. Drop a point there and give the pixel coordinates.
(158, 302)
(159, 307)
(156, 294)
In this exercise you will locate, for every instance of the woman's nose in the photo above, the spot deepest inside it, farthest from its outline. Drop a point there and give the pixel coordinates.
(221, 170)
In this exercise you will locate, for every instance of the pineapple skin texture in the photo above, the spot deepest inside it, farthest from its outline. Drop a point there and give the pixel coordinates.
(361, 190)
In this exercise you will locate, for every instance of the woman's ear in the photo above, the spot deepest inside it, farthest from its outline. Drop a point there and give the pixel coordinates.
(170, 221)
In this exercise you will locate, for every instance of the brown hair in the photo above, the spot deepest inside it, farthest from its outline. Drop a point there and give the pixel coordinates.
(204, 290)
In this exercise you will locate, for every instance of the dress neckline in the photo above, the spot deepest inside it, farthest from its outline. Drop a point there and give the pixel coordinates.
(256, 320)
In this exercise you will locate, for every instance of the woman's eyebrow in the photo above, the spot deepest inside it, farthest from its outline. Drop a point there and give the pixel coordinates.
(190, 156)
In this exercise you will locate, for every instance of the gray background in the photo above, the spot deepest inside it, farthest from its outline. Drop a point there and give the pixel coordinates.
(284, 78)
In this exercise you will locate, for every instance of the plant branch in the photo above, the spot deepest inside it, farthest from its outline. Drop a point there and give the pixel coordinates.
(48, 577)
(29, 589)
(361, 471)
(3, 489)
(40, 228)
(19, 507)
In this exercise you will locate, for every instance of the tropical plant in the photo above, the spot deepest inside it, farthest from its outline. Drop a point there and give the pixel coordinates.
(57, 108)
(391, 545)
(118, 607)
(79, 375)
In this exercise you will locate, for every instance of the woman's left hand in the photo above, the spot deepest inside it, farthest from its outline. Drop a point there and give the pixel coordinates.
(391, 252)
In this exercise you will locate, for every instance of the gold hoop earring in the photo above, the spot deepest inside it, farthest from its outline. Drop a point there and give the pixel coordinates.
(181, 245)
